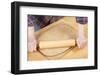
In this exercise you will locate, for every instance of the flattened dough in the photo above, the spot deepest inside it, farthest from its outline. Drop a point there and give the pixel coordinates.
(59, 31)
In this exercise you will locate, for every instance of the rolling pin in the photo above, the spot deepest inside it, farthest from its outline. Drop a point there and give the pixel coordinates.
(56, 44)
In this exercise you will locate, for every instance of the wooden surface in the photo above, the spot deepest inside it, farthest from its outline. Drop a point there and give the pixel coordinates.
(63, 29)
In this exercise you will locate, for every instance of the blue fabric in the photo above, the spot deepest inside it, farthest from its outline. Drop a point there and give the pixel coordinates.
(82, 20)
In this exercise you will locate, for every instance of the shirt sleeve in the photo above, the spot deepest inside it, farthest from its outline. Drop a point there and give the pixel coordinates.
(31, 20)
(82, 20)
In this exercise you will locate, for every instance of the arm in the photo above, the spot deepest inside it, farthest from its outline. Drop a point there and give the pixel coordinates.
(81, 40)
(32, 43)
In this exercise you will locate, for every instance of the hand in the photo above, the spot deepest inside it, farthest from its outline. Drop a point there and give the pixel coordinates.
(32, 43)
(81, 41)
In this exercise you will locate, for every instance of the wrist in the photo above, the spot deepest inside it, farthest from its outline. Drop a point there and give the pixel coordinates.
(80, 29)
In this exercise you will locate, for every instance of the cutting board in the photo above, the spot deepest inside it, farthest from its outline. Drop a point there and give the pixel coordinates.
(63, 29)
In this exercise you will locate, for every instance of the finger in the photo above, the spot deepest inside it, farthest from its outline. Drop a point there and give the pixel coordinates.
(31, 47)
(78, 43)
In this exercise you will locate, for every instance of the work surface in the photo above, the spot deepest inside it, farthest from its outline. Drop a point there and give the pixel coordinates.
(63, 29)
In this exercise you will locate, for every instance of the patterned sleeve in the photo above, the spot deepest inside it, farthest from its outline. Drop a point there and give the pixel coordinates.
(31, 20)
(82, 20)
(39, 21)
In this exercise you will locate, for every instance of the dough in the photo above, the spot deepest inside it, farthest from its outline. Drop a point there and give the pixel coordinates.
(55, 32)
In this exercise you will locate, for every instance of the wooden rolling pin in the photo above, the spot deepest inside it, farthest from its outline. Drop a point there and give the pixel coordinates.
(56, 44)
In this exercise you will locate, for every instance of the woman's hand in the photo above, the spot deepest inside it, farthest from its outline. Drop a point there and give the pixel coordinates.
(32, 43)
(81, 39)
